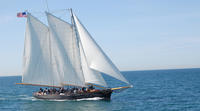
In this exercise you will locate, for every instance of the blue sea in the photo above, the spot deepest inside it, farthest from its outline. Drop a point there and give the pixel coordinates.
(156, 90)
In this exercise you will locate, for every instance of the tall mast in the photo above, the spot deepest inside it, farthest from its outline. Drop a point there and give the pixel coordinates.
(72, 17)
(73, 24)
(74, 27)
(77, 37)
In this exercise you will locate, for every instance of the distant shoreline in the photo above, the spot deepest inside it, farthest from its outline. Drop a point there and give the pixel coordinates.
(124, 71)
(162, 69)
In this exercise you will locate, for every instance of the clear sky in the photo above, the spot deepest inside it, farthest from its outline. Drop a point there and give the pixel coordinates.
(135, 34)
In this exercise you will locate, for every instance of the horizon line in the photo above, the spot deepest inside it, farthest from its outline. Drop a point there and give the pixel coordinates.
(128, 70)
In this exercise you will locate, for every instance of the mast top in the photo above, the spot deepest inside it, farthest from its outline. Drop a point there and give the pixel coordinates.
(47, 5)
(71, 12)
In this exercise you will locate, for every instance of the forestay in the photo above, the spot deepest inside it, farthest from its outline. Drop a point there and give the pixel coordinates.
(37, 68)
(96, 58)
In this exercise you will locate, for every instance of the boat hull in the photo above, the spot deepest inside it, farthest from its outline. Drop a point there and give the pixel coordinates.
(104, 94)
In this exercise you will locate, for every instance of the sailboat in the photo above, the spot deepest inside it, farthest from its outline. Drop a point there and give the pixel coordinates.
(65, 54)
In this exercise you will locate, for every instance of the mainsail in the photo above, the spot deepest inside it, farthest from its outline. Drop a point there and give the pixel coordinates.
(37, 68)
(65, 51)
(96, 58)
(66, 36)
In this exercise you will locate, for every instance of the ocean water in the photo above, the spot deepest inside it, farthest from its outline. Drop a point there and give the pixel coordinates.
(158, 90)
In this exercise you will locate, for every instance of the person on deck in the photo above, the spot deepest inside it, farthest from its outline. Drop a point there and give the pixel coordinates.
(91, 87)
(45, 91)
(83, 89)
(41, 90)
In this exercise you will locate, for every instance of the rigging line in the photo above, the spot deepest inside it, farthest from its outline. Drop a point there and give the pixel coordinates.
(35, 11)
(47, 5)
(61, 10)
(41, 12)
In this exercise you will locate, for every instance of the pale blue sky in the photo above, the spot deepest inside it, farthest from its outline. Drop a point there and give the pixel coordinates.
(135, 34)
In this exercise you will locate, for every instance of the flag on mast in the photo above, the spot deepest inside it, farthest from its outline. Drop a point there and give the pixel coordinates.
(22, 14)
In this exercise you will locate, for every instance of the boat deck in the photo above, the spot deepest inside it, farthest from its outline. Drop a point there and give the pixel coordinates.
(104, 94)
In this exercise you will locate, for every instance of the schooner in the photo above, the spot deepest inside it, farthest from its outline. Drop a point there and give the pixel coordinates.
(65, 54)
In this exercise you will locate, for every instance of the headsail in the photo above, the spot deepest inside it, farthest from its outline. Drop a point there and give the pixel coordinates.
(65, 51)
(95, 56)
(91, 76)
(37, 68)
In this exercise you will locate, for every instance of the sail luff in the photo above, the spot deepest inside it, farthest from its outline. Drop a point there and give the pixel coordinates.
(25, 51)
(95, 56)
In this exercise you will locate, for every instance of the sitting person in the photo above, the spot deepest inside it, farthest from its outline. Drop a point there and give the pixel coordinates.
(84, 89)
(91, 87)
(41, 90)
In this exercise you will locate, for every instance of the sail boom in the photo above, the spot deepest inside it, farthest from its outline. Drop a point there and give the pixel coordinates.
(71, 85)
(38, 85)
(120, 89)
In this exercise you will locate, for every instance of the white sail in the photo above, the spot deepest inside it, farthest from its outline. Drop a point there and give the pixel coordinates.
(65, 51)
(37, 68)
(95, 57)
(91, 76)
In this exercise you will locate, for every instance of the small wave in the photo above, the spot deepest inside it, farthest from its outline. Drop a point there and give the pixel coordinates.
(60, 100)
(29, 98)
(2, 99)
(89, 99)
(23, 95)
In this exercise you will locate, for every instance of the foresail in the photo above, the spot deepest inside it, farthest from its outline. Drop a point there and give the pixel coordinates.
(91, 76)
(65, 51)
(37, 68)
(95, 57)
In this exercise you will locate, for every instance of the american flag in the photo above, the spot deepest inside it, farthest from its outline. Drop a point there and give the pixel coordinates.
(21, 14)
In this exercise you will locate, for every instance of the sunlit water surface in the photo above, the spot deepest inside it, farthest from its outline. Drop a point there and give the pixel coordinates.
(161, 90)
